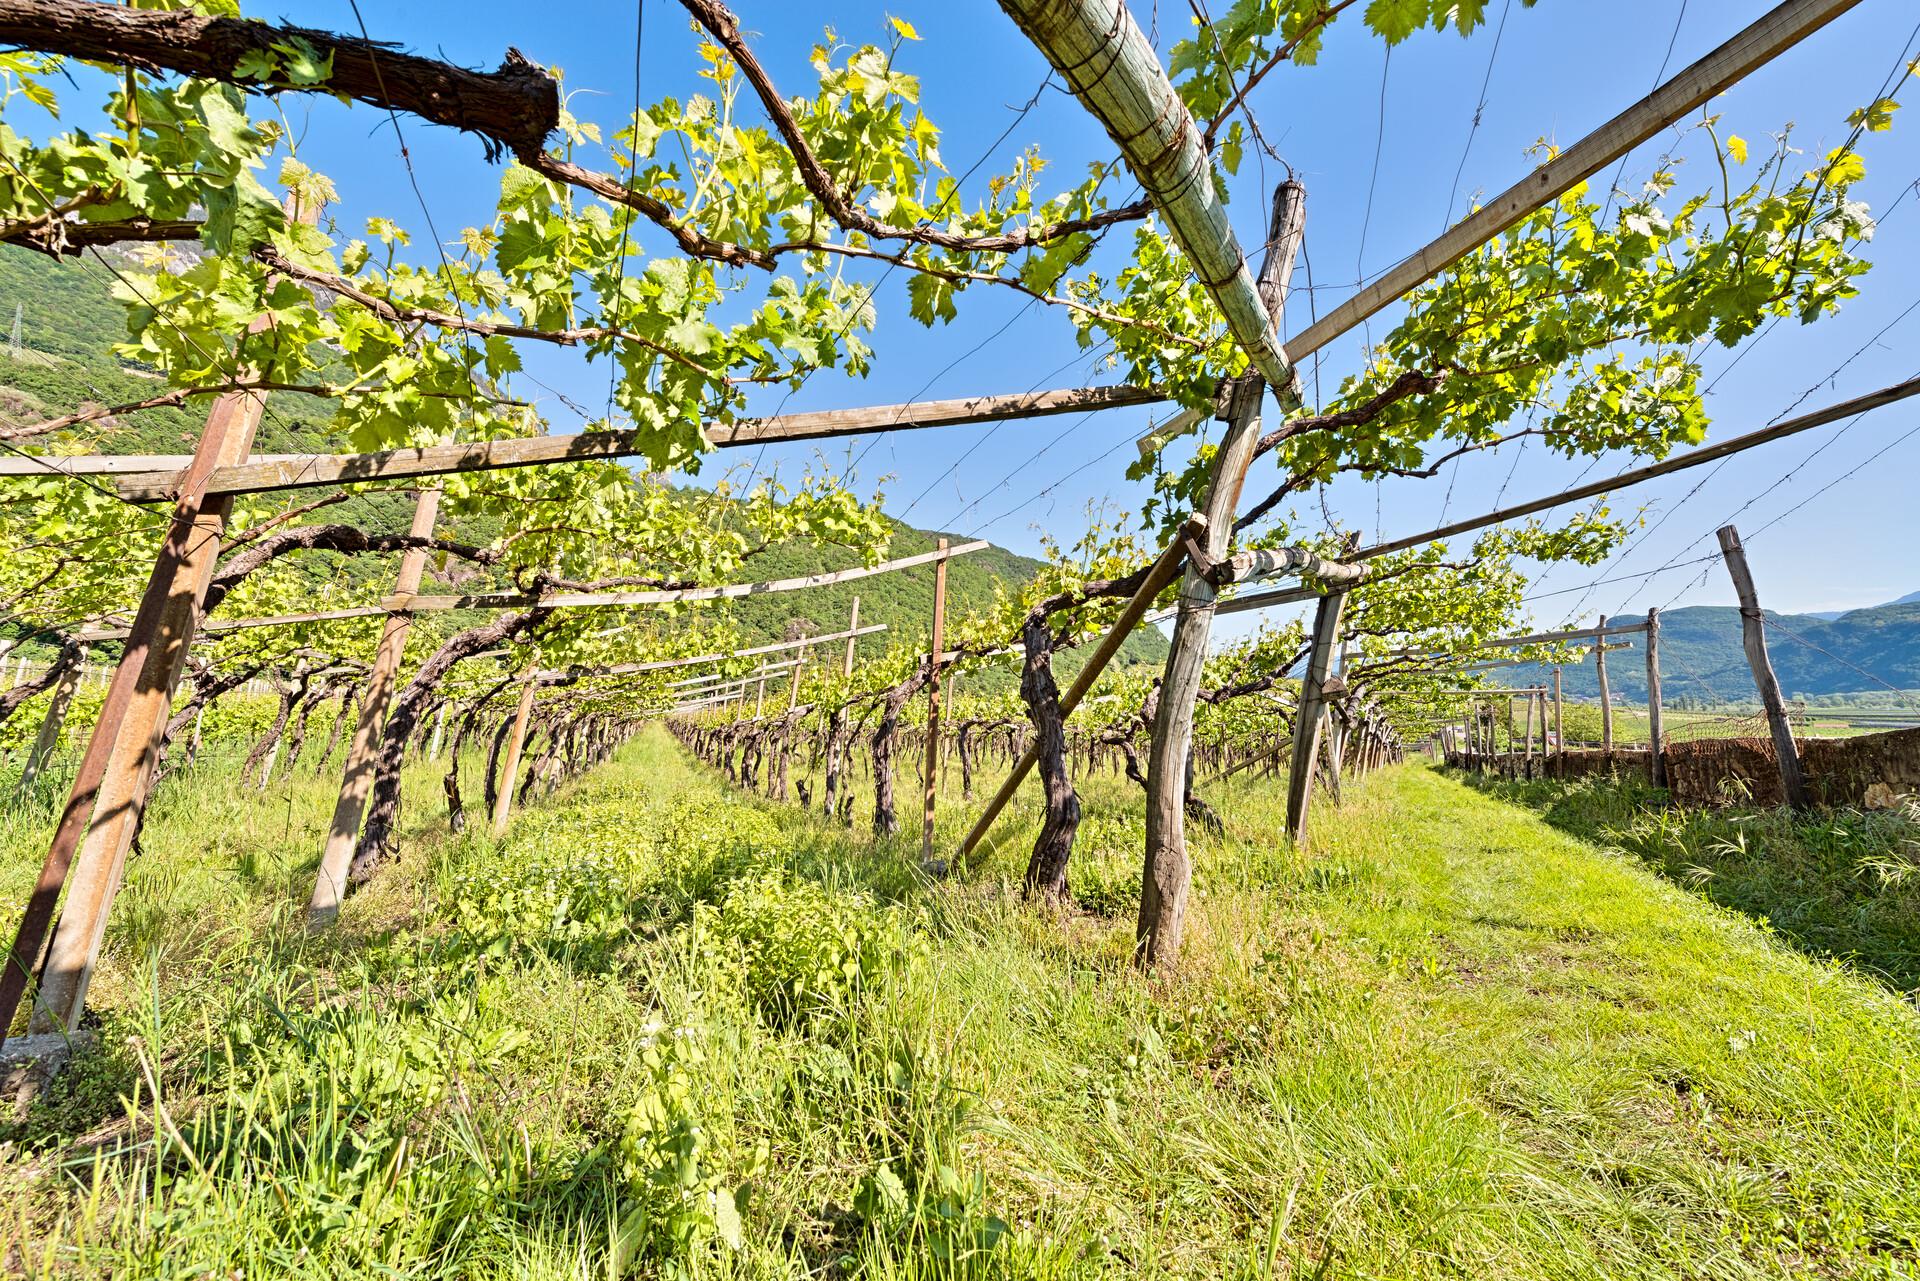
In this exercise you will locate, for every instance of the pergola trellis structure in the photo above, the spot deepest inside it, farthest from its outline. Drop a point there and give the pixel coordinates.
(1108, 63)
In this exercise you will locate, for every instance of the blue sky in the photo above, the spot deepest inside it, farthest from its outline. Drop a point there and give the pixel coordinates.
(1560, 69)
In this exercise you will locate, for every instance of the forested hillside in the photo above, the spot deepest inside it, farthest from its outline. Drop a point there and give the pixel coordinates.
(1701, 658)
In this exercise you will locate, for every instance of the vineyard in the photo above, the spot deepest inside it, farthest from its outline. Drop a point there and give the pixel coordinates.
(490, 786)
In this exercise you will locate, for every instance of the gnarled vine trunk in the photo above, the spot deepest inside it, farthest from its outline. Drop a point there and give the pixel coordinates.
(1047, 866)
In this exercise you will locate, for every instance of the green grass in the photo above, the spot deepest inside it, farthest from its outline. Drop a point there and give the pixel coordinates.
(664, 1030)
(1838, 884)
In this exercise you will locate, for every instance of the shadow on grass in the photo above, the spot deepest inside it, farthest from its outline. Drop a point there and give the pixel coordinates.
(1840, 884)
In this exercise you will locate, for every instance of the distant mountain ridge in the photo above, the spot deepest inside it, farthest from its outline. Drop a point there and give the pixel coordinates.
(1701, 657)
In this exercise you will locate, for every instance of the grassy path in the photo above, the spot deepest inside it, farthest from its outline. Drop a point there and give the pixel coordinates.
(664, 1029)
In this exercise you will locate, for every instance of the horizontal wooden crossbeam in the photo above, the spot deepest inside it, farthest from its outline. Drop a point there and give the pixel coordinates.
(665, 664)
(726, 591)
(1638, 475)
(157, 480)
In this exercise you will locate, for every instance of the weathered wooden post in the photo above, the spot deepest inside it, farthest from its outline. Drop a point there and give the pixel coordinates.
(1606, 693)
(1168, 871)
(1509, 764)
(760, 698)
(109, 793)
(1312, 709)
(48, 739)
(1656, 768)
(787, 727)
(853, 626)
(1559, 729)
(510, 768)
(1753, 638)
(356, 780)
(439, 732)
(1532, 698)
(933, 703)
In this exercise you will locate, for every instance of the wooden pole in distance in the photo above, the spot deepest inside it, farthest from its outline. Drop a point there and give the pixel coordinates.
(1656, 768)
(1559, 729)
(48, 739)
(933, 704)
(1606, 692)
(356, 779)
(109, 793)
(510, 768)
(1158, 578)
(853, 628)
(1753, 638)
(1306, 722)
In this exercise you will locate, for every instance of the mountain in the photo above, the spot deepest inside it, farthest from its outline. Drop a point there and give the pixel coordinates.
(1911, 598)
(1701, 658)
(68, 322)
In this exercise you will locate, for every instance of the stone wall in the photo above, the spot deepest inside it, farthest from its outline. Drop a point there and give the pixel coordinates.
(1870, 770)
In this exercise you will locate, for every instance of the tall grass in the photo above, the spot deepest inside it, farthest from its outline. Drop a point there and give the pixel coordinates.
(668, 1030)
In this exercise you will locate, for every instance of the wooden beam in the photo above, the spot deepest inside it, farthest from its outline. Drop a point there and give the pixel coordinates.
(938, 646)
(109, 793)
(1606, 692)
(1656, 767)
(356, 779)
(510, 768)
(1307, 719)
(665, 664)
(728, 591)
(1761, 41)
(1638, 475)
(1107, 62)
(1753, 639)
(306, 471)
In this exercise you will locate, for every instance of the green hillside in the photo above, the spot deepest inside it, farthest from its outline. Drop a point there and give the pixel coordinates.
(1701, 658)
(69, 323)
(904, 601)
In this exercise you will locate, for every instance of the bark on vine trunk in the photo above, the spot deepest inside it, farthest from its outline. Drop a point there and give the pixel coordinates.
(1053, 848)
(383, 811)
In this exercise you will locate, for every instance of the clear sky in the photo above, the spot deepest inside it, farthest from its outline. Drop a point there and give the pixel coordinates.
(1378, 143)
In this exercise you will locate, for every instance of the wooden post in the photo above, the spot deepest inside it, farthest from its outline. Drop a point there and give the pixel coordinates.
(1532, 699)
(1306, 721)
(48, 738)
(356, 780)
(109, 793)
(1753, 638)
(853, 626)
(1509, 771)
(1168, 871)
(510, 768)
(1606, 692)
(760, 697)
(1656, 768)
(439, 732)
(1559, 730)
(933, 704)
